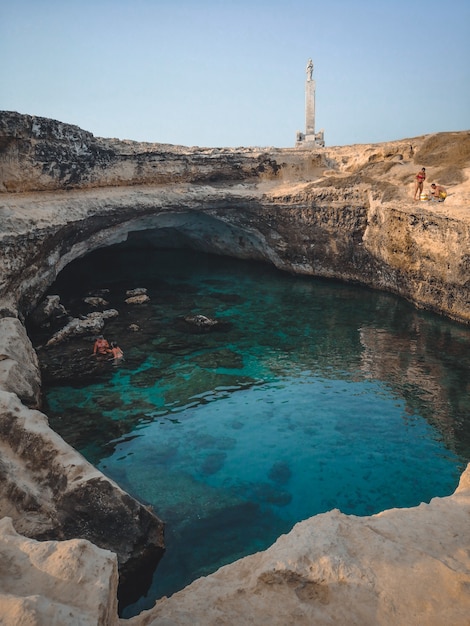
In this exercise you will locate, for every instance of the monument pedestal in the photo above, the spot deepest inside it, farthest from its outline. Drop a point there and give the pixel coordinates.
(315, 140)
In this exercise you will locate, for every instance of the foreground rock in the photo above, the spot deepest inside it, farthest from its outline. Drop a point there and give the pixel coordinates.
(19, 366)
(400, 567)
(55, 582)
(51, 492)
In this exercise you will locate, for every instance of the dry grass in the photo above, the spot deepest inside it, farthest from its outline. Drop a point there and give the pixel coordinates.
(450, 175)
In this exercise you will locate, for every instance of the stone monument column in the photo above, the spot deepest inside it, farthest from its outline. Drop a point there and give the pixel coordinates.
(310, 138)
(309, 100)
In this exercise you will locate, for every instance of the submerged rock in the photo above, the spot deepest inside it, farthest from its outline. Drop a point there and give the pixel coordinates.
(280, 473)
(201, 324)
(223, 358)
(96, 301)
(72, 363)
(139, 299)
(200, 321)
(138, 291)
(147, 377)
(213, 463)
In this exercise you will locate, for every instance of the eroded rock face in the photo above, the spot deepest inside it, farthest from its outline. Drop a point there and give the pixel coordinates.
(51, 492)
(38, 154)
(341, 212)
(19, 367)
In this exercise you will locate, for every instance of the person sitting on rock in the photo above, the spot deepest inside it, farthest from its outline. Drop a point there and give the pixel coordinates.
(101, 346)
(117, 353)
(438, 192)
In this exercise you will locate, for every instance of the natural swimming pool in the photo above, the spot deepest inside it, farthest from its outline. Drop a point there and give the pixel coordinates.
(313, 395)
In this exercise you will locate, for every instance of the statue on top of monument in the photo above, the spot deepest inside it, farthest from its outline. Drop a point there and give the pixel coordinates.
(309, 69)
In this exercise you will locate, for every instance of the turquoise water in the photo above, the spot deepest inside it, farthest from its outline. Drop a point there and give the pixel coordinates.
(313, 395)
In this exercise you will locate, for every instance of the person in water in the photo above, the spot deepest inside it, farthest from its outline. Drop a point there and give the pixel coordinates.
(419, 182)
(101, 347)
(438, 192)
(118, 354)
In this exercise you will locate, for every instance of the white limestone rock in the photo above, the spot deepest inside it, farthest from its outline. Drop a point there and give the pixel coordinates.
(55, 583)
(19, 366)
(140, 299)
(92, 324)
(400, 567)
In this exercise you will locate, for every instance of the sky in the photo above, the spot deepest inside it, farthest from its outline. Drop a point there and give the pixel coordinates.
(231, 73)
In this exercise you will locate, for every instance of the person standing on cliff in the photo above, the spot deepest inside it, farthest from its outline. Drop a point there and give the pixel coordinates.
(419, 182)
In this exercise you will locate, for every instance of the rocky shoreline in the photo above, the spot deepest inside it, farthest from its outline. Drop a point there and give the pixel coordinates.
(342, 213)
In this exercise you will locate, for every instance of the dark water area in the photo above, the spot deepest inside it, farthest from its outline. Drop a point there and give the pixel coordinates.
(309, 395)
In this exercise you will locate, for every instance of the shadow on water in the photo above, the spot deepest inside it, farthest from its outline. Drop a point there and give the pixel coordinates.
(309, 395)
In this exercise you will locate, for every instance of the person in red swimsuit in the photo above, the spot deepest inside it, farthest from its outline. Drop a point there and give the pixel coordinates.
(419, 182)
(101, 346)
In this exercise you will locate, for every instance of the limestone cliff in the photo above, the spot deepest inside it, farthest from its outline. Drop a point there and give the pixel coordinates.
(344, 212)
(341, 212)
(38, 154)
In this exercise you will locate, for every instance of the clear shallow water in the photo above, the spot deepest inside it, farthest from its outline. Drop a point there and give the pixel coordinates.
(318, 395)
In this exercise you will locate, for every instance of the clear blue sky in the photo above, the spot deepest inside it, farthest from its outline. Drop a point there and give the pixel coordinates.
(232, 72)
